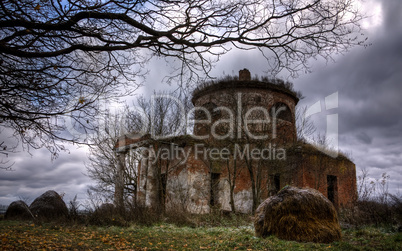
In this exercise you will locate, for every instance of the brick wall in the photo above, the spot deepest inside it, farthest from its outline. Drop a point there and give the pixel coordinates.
(188, 183)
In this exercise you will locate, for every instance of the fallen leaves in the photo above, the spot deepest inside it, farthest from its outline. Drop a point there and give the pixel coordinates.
(32, 237)
(26, 236)
(81, 100)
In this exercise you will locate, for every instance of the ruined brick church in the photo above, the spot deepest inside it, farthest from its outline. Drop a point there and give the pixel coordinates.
(244, 148)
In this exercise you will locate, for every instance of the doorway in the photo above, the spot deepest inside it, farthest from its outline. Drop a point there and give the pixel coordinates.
(213, 201)
(332, 188)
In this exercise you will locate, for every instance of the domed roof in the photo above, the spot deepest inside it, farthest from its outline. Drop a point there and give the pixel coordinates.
(244, 81)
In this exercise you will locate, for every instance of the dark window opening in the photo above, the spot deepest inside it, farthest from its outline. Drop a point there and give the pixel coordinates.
(216, 113)
(210, 109)
(214, 189)
(332, 188)
(255, 99)
(277, 182)
(281, 111)
(200, 115)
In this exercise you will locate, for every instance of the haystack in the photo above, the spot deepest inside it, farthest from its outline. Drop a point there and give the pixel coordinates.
(18, 210)
(49, 206)
(298, 214)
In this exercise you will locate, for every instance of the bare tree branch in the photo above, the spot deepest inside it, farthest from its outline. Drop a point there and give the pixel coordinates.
(58, 59)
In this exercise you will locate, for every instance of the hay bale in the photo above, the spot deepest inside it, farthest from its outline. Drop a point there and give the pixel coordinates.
(49, 206)
(298, 214)
(18, 210)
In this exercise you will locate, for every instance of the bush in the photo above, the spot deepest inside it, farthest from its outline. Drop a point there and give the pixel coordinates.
(106, 215)
(374, 212)
(375, 205)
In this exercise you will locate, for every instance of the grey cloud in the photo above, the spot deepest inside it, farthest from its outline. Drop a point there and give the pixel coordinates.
(369, 82)
(364, 138)
(32, 176)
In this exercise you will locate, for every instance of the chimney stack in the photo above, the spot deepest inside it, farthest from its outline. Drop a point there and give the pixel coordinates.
(244, 75)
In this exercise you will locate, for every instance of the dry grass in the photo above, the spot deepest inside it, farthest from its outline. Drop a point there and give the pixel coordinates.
(27, 236)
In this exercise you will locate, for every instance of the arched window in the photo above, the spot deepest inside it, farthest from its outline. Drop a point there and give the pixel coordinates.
(281, 111)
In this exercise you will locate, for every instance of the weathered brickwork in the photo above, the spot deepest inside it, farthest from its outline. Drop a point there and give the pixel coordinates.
(308, 167)
(241, 97)
(317, 168)
(201, 182)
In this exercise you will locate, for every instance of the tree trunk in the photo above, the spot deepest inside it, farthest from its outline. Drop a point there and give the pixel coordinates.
(253, 188)
(119, 183)
(232, 185)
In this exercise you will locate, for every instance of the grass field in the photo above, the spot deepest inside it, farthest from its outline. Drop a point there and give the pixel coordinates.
(29, 236)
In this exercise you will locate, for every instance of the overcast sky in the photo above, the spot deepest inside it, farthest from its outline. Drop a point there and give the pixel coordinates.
(368, 82)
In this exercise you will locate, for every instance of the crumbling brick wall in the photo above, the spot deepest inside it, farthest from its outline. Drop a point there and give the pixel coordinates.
(189, 185)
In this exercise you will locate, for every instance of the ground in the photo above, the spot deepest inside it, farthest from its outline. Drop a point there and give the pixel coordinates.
(29, 236)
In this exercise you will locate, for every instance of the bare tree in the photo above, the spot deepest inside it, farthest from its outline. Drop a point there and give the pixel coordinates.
(233, 168)
(161, 116)
(5, 150)
(158, 116)
(58, 58)
(166, 115)
(305, 127)
(103, 160)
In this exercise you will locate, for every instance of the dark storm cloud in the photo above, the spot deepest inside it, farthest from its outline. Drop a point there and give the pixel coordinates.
(33, 175)
(369, 82)
(392, 16)
(364, 138)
